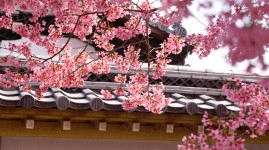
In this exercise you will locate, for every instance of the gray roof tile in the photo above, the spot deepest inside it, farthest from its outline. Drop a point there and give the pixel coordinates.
(191, 108)
(214, 103)
(79, 101)
(206, 107)
(112, 102)
(79, 105)
(205, 97)
(122, 98)
(87, 91)
(177, 96)
(46, 94)
(102, 97)
(112, 105)
(176, 105)
(10, 100)
(9, 93)
(221, 110)
(91, 99)
(196, 101)
(71, 95)
(141, 109)
(27, 100)
(233, 108)
(175, 108)
(172, 100)
(46, 100)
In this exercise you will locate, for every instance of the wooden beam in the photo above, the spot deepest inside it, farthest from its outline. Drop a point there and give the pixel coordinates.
(29, 124)
(87, 130)
(66, 124)
(88, 115)
(102, 126)
(169, 128)
(201, 129)
(231, 131)
(46, 124)
(135, 126)
(132, 126)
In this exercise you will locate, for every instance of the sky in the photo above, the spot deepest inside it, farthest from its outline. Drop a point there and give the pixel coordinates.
(217, 59)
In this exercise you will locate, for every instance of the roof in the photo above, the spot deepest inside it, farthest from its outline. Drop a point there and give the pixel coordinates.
(89, 99)
(191, 91)
(158, 34)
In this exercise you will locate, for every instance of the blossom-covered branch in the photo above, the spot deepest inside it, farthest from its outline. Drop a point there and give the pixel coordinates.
(242, 27)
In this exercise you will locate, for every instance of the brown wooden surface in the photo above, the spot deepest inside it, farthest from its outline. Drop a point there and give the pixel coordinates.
(84, 124)
(87, 130)
(88, 115)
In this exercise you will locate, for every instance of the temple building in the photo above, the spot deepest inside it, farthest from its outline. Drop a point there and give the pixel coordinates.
(81, 118)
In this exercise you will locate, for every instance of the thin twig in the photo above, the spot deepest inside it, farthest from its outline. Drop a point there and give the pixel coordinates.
(196, 17)
(71, 34)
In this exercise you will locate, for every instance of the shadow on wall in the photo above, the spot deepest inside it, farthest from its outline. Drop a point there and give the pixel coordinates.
(36, 143)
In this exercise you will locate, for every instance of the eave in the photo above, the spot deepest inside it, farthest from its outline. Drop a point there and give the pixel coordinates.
(84, 124)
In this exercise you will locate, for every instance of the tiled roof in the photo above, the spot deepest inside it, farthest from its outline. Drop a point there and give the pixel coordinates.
(190, 91)
(93, 100)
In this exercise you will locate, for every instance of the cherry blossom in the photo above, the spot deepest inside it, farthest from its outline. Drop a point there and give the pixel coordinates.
(106, 94)
(242, 27)
(120, 78)
(219, 138)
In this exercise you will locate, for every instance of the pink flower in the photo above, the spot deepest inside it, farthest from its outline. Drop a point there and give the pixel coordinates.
(140, 78)
(120, 91)
(120, 78)
(106, 94)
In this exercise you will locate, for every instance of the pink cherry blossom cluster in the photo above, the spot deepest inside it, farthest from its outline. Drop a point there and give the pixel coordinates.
(79, 18)
(141, 93)
(120, 78)
(254, 106)
(23, 48)
(140, 78)
(242, 27)
(150, 97)
(11, 79)
(99, 67)
(174, 45)
(116, 12)
(134, 26)
(253, 102)
(11, 60)
(119, 91)
(212, 139)
(130, 60)
(245, 30)
(106, 94)
(5, 22)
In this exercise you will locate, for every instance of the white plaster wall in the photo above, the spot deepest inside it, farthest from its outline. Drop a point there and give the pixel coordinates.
(37, 143)
(28, 143)
(76, 45)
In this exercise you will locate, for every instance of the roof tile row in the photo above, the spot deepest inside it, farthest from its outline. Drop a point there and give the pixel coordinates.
(90, 99)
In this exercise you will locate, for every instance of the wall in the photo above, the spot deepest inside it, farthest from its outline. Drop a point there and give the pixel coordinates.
(33, 143)
(42, 52)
